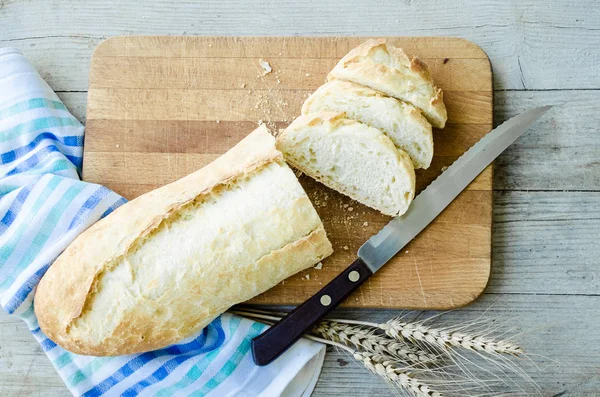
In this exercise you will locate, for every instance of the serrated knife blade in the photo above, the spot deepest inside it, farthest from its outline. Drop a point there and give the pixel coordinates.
(441, 192)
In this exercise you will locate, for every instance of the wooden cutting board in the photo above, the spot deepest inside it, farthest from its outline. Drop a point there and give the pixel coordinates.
(162, 107)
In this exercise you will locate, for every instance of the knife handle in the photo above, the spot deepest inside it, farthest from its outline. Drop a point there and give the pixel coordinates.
(277, 339)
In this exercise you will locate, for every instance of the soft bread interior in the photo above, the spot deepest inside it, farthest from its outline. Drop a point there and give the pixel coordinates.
(352, 158)
(401, 122)
(211, 252)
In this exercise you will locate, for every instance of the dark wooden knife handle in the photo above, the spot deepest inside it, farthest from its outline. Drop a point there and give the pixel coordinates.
(277, 339)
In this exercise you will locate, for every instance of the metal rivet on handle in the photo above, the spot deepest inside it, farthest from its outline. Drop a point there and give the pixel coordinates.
(326, 300)
(353, 276)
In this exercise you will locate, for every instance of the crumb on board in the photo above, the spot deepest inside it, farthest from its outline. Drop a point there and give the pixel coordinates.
(345, 205)
(350, 209)
(266, 66)
(307, 277)
(444, 168)
(117, 145)
(345, 247)
(210, 45)
(243, 85)
(307, 74)
(319, 266)
(406, 252)
(366, 224)
(218, 121)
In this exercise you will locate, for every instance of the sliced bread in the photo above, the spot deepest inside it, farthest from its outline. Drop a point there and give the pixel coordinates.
(386, 68)
(401, 122)
(353, 158)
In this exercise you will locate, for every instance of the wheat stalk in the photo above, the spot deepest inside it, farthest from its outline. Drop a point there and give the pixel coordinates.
(367, 340)
(398, 350)
(444, 338)
(379, 365)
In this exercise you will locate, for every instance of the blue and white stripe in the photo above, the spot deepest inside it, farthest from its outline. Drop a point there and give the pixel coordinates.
(44, 206)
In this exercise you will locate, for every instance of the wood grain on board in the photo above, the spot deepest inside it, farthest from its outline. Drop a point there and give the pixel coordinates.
(162, 107)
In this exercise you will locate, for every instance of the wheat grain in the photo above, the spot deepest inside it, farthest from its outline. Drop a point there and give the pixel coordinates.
(379, 365)
(364, 339)
(444, 338)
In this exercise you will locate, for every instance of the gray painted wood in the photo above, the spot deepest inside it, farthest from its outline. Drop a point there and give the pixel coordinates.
(532, 44)
(562, 328)
(547, 202)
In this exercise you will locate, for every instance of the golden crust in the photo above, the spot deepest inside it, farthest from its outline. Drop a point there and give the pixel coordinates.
(71, 281)
(386, 68)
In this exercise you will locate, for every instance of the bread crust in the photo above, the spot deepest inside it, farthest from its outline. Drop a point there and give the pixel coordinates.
(69, 284)
(386, 68)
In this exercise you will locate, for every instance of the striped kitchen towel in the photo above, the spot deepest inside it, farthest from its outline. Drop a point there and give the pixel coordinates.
(44, 206)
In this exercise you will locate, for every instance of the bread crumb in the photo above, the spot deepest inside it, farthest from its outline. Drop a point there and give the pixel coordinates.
(444, 168)
(266, 66)
(307, 277)
(345, 247)
(210, 45)
(319, 266)
(218, 121)
(307, 74)
(406, 252)
(117, 145)
(280, 53)
(243, 85)
(366, 224)
(350, 209)
(345, 206)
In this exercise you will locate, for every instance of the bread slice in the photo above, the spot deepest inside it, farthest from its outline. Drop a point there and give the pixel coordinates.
(164, 265)
(401, 122)
(386, 68)
(352, 158)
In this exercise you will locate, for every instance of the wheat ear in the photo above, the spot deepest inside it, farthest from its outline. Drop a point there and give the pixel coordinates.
(444, 338)
(364, 339)
(379, 365)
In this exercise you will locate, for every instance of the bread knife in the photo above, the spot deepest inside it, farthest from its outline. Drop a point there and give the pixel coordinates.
(380, 248)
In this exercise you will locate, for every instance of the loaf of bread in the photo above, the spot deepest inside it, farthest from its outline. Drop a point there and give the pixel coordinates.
(401, 122)
(164, 265)
(352, 158)
(383, 67)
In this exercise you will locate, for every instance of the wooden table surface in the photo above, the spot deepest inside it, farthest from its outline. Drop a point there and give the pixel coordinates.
(546, 254)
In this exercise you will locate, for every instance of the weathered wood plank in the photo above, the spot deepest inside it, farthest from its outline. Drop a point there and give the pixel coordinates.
(532, 45)
(561, 151)
(546, 243)
(562, 328)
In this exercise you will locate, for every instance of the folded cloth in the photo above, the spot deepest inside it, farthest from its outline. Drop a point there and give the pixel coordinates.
(44, 206)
